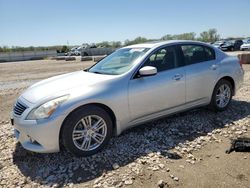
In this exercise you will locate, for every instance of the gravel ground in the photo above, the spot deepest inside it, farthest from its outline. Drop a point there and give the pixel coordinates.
(184, 150)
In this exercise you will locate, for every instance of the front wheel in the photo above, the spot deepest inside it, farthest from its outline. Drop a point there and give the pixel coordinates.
(222, 95)
(86, 131)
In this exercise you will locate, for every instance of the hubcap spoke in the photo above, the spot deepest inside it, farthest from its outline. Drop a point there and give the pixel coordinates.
(84, 123)
(217, 97)
(221, 102)
(78, 134)
(86, 143)
(98, 125)
(98, 137)
(89, 121)
(77, 137)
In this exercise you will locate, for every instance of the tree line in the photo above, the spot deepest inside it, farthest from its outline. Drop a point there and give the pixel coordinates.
(210, 35)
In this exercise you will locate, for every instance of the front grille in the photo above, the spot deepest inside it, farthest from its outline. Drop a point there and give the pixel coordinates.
(19, 108)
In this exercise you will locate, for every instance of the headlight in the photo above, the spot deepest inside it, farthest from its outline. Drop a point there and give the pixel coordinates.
(46, 109)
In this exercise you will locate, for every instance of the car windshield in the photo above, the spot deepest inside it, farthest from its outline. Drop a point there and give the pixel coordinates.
(118, 62)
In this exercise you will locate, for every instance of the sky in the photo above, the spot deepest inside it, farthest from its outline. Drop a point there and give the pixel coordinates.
(73, 22)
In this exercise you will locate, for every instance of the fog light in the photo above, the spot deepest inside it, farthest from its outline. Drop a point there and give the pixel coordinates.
(33, 141)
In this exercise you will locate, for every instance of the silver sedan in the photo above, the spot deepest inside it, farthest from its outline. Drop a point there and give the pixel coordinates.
(135, 84)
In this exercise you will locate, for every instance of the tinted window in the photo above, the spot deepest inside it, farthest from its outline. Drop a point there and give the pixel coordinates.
(163, 59)
(197, 53)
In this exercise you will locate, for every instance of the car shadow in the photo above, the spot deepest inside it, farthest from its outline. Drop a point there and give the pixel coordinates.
(157, 136)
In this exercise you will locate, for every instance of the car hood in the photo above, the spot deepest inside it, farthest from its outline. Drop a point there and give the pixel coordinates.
(217, 45)
(226, 45)
(63, 84)
(246, 45)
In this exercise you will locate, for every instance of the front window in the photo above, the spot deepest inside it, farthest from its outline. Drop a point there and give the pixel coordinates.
(118, 62)
(163, 59)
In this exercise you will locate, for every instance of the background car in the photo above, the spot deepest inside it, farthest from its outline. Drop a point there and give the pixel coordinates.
(74, 51)
(245, 46)
(231, 45)
(218, 44)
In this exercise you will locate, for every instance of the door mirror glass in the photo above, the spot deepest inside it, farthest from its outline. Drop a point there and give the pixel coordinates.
(148, 71)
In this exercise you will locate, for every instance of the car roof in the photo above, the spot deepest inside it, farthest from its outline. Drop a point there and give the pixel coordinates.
(155, 44)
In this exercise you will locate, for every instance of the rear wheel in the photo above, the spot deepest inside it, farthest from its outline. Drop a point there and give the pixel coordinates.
(222, 95)
(86, 131)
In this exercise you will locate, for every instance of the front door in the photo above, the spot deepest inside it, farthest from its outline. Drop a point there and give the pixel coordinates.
(165, 90)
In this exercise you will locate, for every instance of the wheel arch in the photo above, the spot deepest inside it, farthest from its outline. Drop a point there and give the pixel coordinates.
(103, 106)
(230, 79)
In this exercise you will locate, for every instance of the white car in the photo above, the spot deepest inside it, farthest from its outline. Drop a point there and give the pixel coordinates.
(245, 46)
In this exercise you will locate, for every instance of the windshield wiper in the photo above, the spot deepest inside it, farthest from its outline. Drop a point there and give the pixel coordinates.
(97, 72)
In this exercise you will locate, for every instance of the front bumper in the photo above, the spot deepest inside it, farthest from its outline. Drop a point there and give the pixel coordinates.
(40, 136)
(226, 48)
(245, 48)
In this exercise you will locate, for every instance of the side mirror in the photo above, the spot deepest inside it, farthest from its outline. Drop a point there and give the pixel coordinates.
(147, 71)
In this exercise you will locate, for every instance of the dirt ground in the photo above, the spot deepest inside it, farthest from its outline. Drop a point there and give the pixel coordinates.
(16, 76)
(212, 166)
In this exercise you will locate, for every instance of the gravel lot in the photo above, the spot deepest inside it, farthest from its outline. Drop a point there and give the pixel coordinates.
(184, 150)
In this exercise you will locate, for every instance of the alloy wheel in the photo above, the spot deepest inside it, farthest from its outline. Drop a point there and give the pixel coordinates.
(89, 133)
(223, 95)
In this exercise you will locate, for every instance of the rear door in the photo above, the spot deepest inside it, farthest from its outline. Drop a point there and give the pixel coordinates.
(201, 70)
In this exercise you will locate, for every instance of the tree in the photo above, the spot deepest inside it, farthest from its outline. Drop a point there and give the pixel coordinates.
(137, 40)
(104, 44)
(186, 36)
(116, 44)
(167, 37)
(209, 36)
(183, 36)
(64, 49)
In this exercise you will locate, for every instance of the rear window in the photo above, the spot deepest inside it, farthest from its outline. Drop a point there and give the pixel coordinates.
(197, 53)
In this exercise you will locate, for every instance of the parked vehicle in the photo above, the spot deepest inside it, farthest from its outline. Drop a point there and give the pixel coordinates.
(245, 46)
(231, 45)
(74, 51)
(218, 44)
(96, 51)
(135, 84)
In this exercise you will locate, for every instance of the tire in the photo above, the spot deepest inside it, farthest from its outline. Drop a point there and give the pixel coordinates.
(214, 103)
(81, 145)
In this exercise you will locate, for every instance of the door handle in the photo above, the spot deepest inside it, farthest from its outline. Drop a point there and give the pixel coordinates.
(177, 77)
(214, 67)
